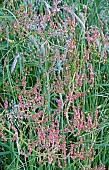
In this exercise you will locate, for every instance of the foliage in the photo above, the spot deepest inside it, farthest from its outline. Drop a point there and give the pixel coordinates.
(54, 85)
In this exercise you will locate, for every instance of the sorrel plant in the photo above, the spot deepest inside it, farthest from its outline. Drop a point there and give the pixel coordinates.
(53, 73)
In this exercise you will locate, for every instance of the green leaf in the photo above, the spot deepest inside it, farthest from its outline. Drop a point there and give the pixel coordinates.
(4, 145)
(102, 84)
(5, 17)
(5, 153)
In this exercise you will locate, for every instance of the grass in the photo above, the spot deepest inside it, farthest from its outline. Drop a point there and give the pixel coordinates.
(54, 85)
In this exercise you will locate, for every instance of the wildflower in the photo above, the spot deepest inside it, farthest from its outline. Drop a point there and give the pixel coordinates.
(88, 37)
(89, 121)
(80, 79)
(59, 164)
(6, 103)
(29, 149)
(87, 53)
(76, 76)
(91, 74)
(15, 135)
(3, 136)
(59, 102)
(95, 118)
(23, 34)
(104, 57)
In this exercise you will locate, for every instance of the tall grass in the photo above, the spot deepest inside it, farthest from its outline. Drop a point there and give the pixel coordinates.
(54, 85)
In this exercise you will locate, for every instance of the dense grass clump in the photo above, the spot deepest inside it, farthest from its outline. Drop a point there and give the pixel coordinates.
(54, 85)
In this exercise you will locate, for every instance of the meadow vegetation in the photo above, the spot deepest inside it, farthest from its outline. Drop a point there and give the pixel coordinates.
(54, 81)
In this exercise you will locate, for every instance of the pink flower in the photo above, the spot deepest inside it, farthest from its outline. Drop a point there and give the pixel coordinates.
(91, 73)
(6, 103)
(89, 121)
(104, 57)
(80, 79)
(95, 118)
(15, 136)
(3, 136)
(88, 37)
(59, 102)
(76, 76)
